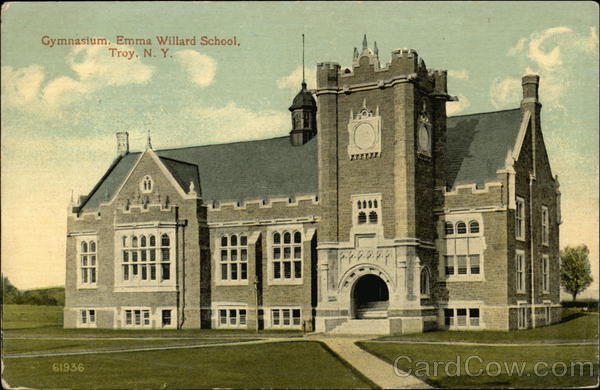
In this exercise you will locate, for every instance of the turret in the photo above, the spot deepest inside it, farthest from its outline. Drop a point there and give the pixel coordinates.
(304, 117)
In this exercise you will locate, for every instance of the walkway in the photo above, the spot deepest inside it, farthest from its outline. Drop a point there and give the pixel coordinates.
(377, 370)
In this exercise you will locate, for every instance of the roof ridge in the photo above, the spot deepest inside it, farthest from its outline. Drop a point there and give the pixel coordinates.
(486, 112)
(224, 143)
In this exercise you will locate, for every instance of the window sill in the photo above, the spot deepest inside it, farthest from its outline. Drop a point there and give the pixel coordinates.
(465, 278)
(87, 287)
(86, 326)
(121, 289)
(231, 283)
(522, 239)
(278, 282)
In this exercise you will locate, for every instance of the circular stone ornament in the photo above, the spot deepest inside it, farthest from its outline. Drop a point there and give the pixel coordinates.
(364, 135)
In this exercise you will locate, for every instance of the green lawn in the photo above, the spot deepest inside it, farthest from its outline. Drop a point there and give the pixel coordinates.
(31, 316)
(421, 359)
(25, 345)
(583, 328)
(299, 364)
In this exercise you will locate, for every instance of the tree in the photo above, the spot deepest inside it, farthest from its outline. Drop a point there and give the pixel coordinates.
(575, 270)
(10, 294)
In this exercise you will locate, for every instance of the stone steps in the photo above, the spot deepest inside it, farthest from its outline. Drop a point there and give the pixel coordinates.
(363, 326)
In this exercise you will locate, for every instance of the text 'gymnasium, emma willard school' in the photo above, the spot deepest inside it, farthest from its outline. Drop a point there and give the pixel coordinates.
(376, 213)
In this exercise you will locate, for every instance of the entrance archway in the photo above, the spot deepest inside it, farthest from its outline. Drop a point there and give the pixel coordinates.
(370, 297)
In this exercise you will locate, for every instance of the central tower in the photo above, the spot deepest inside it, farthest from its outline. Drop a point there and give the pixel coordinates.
(381, 142)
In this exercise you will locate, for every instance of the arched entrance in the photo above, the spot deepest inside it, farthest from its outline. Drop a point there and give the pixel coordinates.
(370, 297)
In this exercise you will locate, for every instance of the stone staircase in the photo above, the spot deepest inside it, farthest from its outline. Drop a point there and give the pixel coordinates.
(372, 310)
(364, 326)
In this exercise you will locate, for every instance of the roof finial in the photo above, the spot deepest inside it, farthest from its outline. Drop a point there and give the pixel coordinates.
(375, 49)
(355, 55)
(365, 42)
(149, 141)
(303, 78)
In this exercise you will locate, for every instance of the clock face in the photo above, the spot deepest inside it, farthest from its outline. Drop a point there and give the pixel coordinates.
(364, 135)
(423, 138)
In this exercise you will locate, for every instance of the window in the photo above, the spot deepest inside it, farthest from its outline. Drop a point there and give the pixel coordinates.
(87, 263)
(87, 317)
(520, 263)
(473, 227)
(449, 265)
(462, 318)
(520, 218)
(285, 318)
(146, 184)
(145, 259)
(545, 225)
(545, 274)
(366, 209)
(462, 265)
(461, 228)
(425, 281)
(286, 255)
(448, 228)
(522, 317)
(233, 255)
(166, 317)
(137, 318)
(232, 318)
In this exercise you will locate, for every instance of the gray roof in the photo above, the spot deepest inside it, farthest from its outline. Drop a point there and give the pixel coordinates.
(476, 148)
(477, 145)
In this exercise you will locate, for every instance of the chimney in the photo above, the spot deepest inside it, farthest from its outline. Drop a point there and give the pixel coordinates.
(530, 83)
(122, 143)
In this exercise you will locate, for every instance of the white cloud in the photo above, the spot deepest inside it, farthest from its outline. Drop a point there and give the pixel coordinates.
(293, 80)
(552, 54)
(95, 68)
(505, 92)
(200, 67)
(459, 74)
(453, 108)
(236, 123)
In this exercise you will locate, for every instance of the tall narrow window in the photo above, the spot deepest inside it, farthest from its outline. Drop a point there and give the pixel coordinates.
(449, 228)
(165, 249)
(87, 263)
(473, 227)
(286, 256)
(424, 281)
(461, 228)
(520, 219)
(545, 273)
(520, 263)
(233, 257)
(545, 226)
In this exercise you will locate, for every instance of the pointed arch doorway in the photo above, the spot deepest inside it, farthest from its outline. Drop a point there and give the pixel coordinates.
(370, 297)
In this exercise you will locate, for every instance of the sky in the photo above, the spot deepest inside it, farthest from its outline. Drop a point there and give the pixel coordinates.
(62, 105)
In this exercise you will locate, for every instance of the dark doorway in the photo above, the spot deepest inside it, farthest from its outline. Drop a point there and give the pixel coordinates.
(370, 297)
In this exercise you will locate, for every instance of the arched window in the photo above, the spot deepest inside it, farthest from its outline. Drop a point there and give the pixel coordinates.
(87, 263)
(448, 228)
(152, 240)
(124, 241)
(461, 228)
(146, 184)
(473, 227)
(92, 246)
(297, 237)
(143, 241)
(84, 247)
(224, 241)
(362, 218)
(243, 240)
(234, 240)
(286, 256)
(276, 238)
(364, 204)
(425, 281)
(370, 204)
(134, 241)
(375, 203)
(287, 238)
(164, 240)
(359, 205)
(372, 217)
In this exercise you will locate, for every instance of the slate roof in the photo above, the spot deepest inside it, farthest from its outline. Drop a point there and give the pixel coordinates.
(476, 148)
(477, 145)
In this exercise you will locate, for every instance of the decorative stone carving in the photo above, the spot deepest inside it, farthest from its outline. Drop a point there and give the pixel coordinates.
(424, 132)
(364, 131)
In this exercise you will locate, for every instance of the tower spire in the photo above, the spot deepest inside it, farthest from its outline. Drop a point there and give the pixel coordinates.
(149, 141)
(364, 42)
(375, 49)
(303, 78)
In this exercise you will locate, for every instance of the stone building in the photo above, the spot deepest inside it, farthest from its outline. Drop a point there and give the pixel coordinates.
(376, 214)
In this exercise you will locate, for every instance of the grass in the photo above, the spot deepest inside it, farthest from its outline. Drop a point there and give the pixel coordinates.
(298, 364)
(20, 345)
(574, 328)
(424, 358)
(31, 316)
